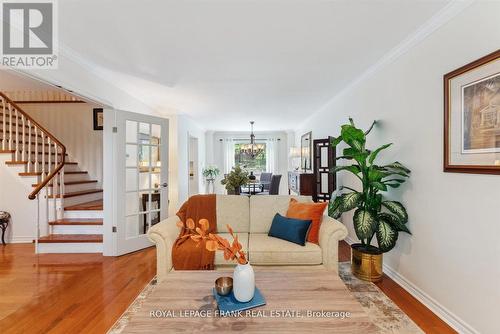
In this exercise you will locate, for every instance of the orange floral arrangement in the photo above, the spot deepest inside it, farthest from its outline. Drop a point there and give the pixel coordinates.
(213, 242)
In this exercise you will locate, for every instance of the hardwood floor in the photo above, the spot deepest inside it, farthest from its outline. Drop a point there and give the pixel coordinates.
(68, 293)
(87, 293)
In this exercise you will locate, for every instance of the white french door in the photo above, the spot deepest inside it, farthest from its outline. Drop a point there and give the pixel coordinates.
(140, 199)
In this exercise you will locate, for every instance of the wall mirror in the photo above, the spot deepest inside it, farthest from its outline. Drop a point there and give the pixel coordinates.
(306, 151)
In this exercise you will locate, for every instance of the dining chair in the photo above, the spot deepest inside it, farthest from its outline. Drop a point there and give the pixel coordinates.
(265, 178)
(274, 186)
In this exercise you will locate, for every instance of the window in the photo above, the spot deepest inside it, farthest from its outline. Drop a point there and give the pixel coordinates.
(244, 159)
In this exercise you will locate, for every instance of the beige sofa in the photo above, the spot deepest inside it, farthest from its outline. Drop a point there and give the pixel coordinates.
(251, 218)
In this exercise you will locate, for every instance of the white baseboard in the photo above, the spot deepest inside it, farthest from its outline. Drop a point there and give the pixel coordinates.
(70, 247)
(442, 312)
(20, 240)
(349, 240)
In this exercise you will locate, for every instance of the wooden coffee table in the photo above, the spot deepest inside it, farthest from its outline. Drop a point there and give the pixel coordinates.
(183, 302)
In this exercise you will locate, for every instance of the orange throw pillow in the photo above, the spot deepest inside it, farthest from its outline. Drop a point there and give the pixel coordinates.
(312, 211)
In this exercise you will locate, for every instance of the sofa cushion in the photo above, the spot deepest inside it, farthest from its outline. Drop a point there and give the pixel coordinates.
(263, 209)
(289, 229)
(312, 211)
(242, 238)
(266, 250)
(232, 210)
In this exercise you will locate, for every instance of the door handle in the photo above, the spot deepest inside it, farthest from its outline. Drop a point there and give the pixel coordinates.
(164, 185)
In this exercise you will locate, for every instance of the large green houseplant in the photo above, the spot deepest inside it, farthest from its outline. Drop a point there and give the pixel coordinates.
(236, 178)
(375, 216)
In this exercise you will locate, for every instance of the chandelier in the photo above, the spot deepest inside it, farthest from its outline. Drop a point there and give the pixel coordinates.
(252, 149)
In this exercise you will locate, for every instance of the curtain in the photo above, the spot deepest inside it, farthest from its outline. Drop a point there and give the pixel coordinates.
(228, 152)
(272, 155)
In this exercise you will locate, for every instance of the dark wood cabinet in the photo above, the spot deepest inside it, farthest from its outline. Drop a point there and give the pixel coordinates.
(300, 183)
(324, 160)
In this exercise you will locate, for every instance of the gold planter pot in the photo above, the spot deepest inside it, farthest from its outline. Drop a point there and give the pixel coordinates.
(366, 265)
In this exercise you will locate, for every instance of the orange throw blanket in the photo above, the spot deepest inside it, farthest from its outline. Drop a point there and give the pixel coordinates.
(186, 253)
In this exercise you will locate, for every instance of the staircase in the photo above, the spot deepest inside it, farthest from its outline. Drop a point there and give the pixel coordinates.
(70, 214)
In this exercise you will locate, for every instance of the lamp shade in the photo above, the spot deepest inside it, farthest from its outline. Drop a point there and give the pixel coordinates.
(294, 152)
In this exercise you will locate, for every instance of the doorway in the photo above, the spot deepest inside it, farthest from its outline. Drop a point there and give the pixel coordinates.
(193, 166)
(136, 167)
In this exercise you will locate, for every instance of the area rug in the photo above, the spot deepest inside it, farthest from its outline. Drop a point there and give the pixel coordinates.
(386, 315)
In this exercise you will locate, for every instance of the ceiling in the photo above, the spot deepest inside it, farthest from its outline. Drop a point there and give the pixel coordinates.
(225, 63)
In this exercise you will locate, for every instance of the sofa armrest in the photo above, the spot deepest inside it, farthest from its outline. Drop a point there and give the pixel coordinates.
(330, 233)
(164, 235)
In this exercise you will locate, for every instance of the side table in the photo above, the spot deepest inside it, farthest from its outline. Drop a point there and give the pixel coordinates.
(4, 222)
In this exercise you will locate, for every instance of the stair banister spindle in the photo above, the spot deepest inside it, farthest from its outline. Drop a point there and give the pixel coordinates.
(36, 150)
(47, 174)
(4, 124)
(49, 165)
(30, 162)
(47, 219)
(23, 153)
(43, 154)
(54, 185)
(17, 136)
(61, 184)
(54, 180)
(10, 126)
(48, 157)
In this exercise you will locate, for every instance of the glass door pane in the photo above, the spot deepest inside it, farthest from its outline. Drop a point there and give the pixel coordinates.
(140, 194)
(143, 177)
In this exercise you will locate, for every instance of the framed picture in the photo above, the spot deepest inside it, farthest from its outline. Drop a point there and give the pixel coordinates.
(98, 119)
(472, 117)
(306, 151)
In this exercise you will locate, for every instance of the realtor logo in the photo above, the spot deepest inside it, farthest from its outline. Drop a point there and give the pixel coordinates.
(29, 31)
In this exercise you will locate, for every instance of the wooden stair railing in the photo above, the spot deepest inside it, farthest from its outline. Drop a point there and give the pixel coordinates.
(50, 166)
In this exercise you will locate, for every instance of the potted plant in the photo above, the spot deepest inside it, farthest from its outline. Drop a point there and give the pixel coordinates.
(243, 275)
(210, 172)
(233, 181)
(375, 216)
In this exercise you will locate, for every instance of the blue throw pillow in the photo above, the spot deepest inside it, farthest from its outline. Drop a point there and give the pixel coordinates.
(290, 229)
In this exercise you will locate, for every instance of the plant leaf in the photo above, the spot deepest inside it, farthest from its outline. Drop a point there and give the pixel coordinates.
(333, 207)
(386, 236)
(397, 209)
(353, 169)
(204, 224)
(393, 221)
(374, 174)
(398, 166)
(190, 224)
(229, 229)
(379, 186)
(350, 201)
(335, 141)
(195, 237)
(353, 136)
(364, 223)
(211, 245)
(395, 180)
(374, 154)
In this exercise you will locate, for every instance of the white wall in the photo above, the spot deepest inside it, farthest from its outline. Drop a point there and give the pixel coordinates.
(215, 153)
(72, 124)
(181, 127)
(453, 255)
(14, 191)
